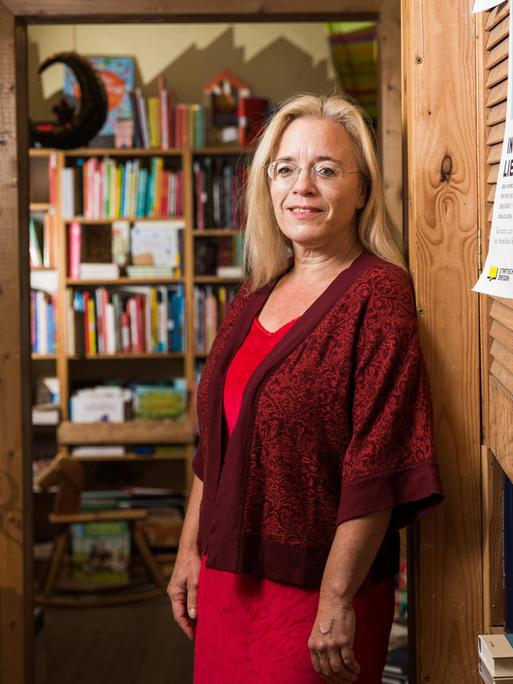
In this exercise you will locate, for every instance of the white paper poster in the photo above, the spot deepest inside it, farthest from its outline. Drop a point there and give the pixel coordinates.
(497, 275)
(481, 5)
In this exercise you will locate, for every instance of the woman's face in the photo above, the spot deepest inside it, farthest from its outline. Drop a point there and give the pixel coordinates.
(316, 210)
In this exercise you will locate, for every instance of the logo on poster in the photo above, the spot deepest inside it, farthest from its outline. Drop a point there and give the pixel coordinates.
(496, 273)
(492, 273)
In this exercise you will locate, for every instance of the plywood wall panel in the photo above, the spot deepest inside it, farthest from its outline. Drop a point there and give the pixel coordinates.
(15, 466)
(439, 52)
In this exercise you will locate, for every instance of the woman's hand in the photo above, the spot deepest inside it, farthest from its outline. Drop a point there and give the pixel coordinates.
(183, 589)
(331, 642)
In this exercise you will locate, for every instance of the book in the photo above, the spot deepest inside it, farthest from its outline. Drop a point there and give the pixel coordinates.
(75, 249)
(252, 112)
(35, 251)
(120, 248)
(157, 243)
(496, 653)
(101, 271)
(158, 402)
(92, 450)
(99, 404)
(101, 552)
(118, 75)
(45, 414)
(487, 677)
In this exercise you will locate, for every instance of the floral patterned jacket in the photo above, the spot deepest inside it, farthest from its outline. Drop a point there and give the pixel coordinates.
(336, 422)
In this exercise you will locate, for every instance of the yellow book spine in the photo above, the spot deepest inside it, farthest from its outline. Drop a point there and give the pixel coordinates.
(91, 326)
(154, 121)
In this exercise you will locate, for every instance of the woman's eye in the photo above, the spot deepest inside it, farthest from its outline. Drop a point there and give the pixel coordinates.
(326, 171)
(284, 170)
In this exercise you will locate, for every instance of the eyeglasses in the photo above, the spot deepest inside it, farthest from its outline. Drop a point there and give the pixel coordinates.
(287, 173)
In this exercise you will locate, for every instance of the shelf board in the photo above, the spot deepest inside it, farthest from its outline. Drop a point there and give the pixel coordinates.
(43, 268)
(41, 151)
(40, 206)
(159, 280)
(182, 456)
(107, 221)
(220, 149)
(43, 357)
(217, 232)
(216, 279)
(128, 356)
(130, 432)
(123, 152)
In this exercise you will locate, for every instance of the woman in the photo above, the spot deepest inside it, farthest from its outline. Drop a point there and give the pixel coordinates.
(315, 422)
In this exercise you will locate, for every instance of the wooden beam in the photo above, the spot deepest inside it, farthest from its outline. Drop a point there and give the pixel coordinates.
(186, 10)
(15, 466)
(390, 129)
(439, 89)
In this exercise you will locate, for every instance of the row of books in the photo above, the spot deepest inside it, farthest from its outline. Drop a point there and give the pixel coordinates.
(41, 239)
(128, 320)
(43, 310)
(144, 249)
(99, 188)
(218, 185)
(159, 122)
(210, 306)
(117, 404)
(219, 256)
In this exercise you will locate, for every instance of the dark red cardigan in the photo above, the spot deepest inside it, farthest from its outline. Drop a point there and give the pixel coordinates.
(334, 423)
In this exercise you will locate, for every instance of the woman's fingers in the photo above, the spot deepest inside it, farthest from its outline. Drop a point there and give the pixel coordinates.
(177, 592)
(192, 598)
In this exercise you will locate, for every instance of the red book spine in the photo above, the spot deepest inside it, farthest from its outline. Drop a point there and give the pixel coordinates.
(179, 193)
(163, 193)
(86, 323)
(140, 323)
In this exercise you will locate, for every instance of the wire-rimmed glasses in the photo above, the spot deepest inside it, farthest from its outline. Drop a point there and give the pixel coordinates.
(286, 172)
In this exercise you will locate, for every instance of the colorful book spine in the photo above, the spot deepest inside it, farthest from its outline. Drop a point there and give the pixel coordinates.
(75, 248)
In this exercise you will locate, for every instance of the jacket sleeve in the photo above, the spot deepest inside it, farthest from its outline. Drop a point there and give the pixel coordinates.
(390, 461)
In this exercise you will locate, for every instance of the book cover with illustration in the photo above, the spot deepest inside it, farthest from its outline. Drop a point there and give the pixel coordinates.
(101, 552)
(118, 75)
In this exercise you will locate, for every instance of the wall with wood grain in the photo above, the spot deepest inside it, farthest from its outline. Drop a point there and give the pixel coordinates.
(439, 62)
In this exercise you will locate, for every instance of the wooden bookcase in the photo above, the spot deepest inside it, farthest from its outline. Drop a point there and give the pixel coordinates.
(150, 366)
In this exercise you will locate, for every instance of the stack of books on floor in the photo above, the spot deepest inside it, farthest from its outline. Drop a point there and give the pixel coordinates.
(496, 658)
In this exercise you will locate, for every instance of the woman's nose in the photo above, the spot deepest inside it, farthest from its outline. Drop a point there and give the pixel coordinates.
(304, 183)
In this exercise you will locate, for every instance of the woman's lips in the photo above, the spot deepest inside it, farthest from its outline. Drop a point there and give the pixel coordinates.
(304, 212)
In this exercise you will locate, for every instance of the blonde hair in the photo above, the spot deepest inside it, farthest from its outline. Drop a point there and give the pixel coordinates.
(266, 249)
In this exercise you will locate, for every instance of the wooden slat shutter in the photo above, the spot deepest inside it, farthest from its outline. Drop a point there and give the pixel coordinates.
(501, 310)
(498, 326)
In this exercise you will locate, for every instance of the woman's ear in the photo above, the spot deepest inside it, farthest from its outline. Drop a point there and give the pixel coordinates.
(363, 196)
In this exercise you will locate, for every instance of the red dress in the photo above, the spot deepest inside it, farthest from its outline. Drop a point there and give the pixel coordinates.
(252, 630)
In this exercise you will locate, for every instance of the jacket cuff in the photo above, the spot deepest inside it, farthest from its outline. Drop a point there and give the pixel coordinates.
(411, 493)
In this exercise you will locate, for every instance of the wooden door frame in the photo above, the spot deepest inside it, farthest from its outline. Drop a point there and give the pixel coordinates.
(419, 48)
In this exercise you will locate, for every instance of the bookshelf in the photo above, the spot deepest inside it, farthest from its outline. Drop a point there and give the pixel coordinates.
(77, 369)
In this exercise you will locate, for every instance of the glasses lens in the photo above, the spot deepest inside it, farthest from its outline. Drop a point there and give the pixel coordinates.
(326, 170)
(284, 171)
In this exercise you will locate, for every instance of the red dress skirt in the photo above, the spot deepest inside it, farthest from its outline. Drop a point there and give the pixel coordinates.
(255, 631)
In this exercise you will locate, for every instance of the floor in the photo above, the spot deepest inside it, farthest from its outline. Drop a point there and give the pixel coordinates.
(136, 644)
